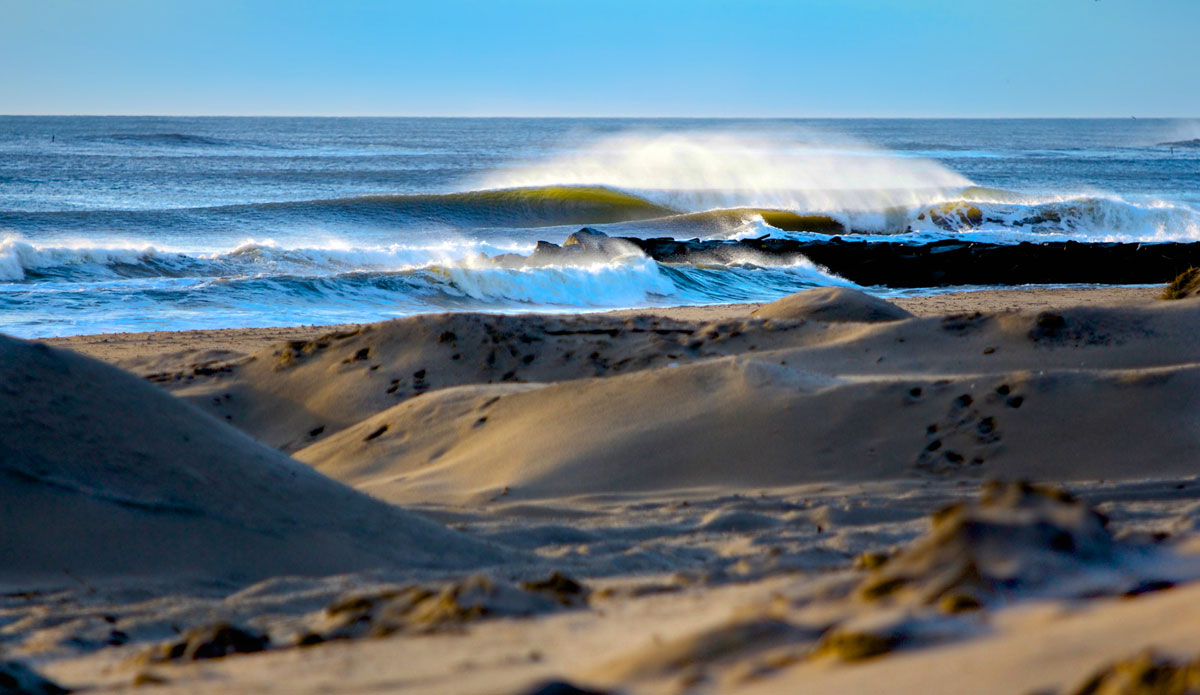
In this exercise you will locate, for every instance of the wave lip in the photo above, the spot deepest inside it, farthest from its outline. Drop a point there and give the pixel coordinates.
(699, 171)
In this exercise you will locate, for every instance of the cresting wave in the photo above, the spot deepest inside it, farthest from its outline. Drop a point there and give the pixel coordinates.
(979, 213)
(975, 214)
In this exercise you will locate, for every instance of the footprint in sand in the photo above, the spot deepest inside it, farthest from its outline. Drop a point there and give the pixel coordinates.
(967, 436)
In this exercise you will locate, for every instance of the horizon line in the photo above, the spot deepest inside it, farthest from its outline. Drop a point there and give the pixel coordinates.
(576, 117)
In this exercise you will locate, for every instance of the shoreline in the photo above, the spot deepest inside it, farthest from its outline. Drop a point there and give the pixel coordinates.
(123, 346)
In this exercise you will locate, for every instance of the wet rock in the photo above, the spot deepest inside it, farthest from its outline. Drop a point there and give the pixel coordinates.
(949, 262)
(588, 240)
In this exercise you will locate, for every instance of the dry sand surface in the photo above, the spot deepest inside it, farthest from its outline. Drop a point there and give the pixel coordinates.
(790, 497)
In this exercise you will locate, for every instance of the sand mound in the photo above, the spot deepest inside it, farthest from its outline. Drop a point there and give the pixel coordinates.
(832, 304)
(299, 392)
(104, 476)
(956, 396)
(1017, 539)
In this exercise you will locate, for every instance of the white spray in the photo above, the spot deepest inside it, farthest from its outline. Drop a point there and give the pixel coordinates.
(792, 170)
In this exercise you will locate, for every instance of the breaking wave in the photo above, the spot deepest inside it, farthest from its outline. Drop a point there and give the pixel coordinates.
(123, 288)
(982, 213)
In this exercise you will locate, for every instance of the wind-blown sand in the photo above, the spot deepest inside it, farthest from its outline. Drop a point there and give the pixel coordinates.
(738, 499)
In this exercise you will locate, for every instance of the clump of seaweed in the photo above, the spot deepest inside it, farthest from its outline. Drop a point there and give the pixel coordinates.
(1186, 284)
(210, 642)
(422, 609)
(562, 588)
(851, 646)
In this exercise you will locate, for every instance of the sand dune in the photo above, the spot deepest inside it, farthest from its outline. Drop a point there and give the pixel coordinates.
(1017, 395)
(833, 386)
(297, 393)
(103, 476)
(832, 304)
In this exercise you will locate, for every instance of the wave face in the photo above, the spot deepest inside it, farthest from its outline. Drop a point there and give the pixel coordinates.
(159, 223)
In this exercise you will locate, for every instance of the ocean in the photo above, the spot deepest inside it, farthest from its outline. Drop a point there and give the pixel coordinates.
(167, 223)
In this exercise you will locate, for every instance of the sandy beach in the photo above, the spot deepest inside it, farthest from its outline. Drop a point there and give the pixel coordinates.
(977, 492)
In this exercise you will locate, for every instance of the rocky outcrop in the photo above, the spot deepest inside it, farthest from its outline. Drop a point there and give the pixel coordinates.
(949, 262)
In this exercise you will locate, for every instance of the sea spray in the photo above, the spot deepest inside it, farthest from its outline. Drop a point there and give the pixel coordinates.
(704, 170)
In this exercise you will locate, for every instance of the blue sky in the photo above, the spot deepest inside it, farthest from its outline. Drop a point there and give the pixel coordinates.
(602, 58)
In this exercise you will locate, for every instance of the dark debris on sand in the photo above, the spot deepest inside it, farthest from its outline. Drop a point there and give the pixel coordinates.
(428, 609)
(1145, 674)
(18, 679)
(210, 642)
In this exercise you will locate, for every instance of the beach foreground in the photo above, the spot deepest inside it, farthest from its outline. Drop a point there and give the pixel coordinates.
(792, 497)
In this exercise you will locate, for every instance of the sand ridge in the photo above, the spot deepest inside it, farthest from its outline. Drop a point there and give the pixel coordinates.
(672, 405)
(105, 477)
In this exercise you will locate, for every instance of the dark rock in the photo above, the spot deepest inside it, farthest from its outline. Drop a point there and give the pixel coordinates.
(588, 240)
(949, 262)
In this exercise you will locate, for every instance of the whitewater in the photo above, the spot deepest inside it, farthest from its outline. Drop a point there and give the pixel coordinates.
(135, 224)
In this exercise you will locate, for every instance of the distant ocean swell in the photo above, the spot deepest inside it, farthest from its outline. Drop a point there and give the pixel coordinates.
(970, 212)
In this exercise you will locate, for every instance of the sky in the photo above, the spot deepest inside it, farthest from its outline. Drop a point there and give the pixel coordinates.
(755, 58)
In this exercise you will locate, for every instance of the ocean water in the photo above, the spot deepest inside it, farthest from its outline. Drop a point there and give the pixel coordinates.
(134, 224)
